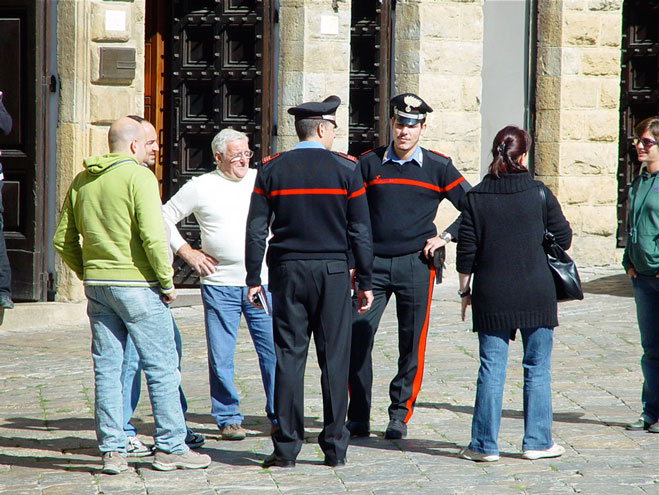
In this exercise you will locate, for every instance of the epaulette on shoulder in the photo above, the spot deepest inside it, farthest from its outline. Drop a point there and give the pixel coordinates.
(440, 154)
(346, 156)
(268, 158)
(367, 151)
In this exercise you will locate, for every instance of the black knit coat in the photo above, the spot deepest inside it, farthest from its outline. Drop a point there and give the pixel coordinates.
(500, 243)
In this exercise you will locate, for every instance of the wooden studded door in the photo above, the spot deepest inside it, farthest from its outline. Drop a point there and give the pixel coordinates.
(218, 74)
(639, 91)
(23, 35)
(370, 70)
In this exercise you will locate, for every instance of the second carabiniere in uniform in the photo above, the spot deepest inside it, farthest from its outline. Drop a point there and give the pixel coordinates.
(404, 185)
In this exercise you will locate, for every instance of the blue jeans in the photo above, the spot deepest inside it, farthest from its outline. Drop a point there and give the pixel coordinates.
(114, 314)
(131, 381)
(493, 350)
(646, 294)
(223, 306)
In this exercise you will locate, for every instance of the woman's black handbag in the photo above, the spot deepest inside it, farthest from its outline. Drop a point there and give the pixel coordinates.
(562, 267)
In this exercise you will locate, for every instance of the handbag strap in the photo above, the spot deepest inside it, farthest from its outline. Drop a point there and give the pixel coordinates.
(543, 198)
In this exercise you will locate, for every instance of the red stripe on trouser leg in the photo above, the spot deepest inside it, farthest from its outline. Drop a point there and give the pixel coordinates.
(421, 353)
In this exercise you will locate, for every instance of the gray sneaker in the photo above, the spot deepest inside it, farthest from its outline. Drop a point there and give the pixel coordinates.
(189, 460)
(135, 448)
(114, 463)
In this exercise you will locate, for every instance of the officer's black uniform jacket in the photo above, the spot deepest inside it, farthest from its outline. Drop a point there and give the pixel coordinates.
(316, 202)
(403, 200)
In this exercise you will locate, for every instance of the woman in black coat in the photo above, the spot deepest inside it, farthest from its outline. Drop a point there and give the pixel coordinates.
(500, 244)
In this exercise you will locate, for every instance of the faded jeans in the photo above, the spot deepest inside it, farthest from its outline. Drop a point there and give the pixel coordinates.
(114, 314)
(493, 350)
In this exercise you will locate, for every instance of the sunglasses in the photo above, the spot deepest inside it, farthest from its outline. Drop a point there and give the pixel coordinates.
(647, 143)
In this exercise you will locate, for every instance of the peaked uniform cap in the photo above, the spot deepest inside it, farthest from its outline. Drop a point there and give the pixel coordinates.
(409, 108)
(325, 110)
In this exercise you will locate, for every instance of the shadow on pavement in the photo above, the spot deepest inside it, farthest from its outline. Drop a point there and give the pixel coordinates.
(561, 417)
(612, 285)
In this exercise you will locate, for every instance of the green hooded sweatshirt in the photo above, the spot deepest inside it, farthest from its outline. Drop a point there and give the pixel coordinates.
(642, 251)
(110, 230)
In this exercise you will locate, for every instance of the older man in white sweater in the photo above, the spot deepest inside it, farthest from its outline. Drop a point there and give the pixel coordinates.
(219, 201)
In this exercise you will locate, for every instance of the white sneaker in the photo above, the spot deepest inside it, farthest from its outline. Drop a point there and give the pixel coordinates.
(553, 451)
(471, 455)
(135, 448)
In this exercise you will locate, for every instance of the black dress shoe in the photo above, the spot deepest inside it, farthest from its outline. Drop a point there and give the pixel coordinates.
(334, 462)
(395, 430)
(359, 428)
(274, 460)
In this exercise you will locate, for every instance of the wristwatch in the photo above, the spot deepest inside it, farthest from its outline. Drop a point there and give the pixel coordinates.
(446, 237)
(464, 293)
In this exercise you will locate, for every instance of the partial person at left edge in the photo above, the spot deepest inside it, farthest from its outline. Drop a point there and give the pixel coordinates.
(5, 270)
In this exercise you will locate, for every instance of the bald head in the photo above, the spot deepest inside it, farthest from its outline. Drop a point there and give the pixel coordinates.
(128, 136)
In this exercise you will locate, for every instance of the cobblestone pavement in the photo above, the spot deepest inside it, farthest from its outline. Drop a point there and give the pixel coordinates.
(47, 441)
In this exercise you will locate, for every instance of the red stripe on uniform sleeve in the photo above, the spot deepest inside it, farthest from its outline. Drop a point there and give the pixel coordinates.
(453, 184)
(260, 191)
(358, 193)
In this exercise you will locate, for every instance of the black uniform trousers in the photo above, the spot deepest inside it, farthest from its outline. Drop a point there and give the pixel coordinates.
(311, 296)
(410, 278)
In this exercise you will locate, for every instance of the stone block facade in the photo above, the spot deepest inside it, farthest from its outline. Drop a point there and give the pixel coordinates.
(578, 87)
(437, 53)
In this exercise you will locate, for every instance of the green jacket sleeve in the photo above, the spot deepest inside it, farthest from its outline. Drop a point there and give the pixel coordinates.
(67, 237)
(151, 230)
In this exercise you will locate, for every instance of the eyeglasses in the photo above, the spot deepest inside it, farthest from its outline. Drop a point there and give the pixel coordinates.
(647, 143)
(237, 156)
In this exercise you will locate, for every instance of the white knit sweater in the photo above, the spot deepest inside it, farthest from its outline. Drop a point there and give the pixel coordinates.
(220, 206)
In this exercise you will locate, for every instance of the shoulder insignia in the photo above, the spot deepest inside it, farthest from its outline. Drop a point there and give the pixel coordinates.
(367, 151)
(346, 156)
(268, 158)
(440, 154)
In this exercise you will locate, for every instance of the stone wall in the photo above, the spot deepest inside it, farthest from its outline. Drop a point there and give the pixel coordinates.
(438, 52)
(89, 103)
(578, 88)
(314, 62)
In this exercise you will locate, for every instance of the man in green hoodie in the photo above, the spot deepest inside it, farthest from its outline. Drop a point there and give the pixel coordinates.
(110, 233)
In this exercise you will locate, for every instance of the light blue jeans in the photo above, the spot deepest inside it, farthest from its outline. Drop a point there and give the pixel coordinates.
(493, 350)
(646, 295)
(131, 380)
(223, 306)
(114, 314)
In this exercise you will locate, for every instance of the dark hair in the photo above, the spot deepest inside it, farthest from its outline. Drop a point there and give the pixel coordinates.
(136, 118)
(306, 128)
(650, 124)
(508, 146)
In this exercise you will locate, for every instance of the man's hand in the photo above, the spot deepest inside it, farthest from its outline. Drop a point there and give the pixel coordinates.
(252, 296)
(631, 273)
(169, 298)
(432, 244)
(364, 300)
(200, 262)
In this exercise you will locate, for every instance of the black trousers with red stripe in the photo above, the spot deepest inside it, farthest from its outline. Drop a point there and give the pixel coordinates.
(410, 278)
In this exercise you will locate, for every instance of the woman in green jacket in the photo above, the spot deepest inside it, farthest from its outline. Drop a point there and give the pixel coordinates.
(641, 261)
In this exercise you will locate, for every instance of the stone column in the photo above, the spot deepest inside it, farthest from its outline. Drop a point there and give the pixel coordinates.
(577, 98)
(90, 101)
(314, 62)
(438, 49)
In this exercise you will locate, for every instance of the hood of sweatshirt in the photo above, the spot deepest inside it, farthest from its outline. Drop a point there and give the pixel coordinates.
(97, 165)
